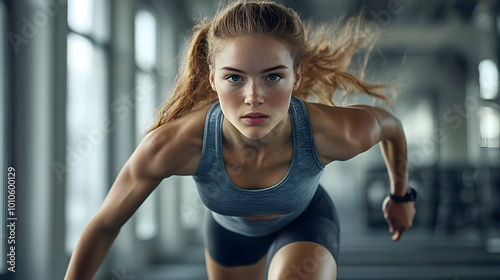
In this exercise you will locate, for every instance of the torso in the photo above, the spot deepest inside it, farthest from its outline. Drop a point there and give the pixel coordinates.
(241, 166)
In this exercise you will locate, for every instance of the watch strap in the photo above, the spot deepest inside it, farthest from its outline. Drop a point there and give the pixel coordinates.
(411, 195)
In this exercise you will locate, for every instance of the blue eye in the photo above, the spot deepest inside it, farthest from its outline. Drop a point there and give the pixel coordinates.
(234, 78)
(274, 77)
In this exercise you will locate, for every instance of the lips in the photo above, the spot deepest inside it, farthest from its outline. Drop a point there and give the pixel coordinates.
(254, 115)
(255, 118)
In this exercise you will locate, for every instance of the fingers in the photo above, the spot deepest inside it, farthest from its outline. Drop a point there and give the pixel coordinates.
(396, 228)
(386, 216)
(399, 217)
(389, 223)
(397, 234)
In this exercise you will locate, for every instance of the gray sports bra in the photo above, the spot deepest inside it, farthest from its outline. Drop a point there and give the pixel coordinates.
(228, 203)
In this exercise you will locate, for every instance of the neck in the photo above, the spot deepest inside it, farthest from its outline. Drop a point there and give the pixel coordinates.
(279, 137)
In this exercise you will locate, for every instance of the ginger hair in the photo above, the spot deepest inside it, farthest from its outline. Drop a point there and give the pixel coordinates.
(324, 54)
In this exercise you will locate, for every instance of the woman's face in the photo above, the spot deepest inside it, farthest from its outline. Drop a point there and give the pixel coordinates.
(254, 78)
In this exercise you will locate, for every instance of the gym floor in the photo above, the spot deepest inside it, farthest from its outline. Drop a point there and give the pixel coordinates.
(371, 254)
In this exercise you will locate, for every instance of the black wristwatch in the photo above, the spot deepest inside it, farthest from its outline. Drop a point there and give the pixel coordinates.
(411, 195)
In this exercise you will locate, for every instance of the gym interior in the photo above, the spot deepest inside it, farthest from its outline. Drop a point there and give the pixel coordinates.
(80, 81)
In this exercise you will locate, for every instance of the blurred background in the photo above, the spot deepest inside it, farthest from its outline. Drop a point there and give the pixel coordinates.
(80, 80)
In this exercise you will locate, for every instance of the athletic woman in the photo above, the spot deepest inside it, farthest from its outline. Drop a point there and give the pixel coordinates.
(240, 123)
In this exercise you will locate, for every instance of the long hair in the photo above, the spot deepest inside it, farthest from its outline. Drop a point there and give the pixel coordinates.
(324, 54)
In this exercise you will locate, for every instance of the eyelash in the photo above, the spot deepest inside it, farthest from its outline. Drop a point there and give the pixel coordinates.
(277, 75)
(232, 76)
(229, 78)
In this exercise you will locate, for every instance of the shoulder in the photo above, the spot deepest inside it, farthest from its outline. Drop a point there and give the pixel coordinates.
(340, 132)
(173, 148)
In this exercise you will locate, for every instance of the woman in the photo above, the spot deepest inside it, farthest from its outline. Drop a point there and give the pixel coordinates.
(256, 151)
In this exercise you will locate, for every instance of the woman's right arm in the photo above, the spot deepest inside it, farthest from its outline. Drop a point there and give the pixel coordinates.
(172, 149)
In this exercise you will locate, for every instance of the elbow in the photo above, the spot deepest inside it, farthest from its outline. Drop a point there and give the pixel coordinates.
(392, 129)
(394, 133)
(104, 225)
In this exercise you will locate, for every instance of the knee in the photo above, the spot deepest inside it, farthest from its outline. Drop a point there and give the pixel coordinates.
(302, 260)
(306, 268)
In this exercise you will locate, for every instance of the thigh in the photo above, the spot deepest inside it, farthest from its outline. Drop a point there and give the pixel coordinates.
(233, 256)
(309, 244)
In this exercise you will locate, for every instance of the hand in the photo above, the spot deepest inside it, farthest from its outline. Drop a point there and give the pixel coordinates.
(399, 216)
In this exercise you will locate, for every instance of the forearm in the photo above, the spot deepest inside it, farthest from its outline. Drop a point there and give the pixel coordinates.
(89, 252)
(394, 151)
(390, 135)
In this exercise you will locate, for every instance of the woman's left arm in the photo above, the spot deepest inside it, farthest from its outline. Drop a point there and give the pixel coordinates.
(344, 132)
(399, 215)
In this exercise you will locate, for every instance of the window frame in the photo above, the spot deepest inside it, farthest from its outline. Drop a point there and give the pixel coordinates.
(153, 200)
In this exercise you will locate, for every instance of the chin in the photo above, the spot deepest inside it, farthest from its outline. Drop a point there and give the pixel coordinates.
(254, 134)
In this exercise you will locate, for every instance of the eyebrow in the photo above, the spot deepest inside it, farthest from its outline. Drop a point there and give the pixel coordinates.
(263, 71)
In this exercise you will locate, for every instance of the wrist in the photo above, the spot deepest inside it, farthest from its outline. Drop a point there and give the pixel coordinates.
(400, 191)
(410, 195)
(399, 186)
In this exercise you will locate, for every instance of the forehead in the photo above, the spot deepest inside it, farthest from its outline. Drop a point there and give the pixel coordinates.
(252, 52)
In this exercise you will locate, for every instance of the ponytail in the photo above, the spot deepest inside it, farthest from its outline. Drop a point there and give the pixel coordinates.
(192, 87)
(326, 68)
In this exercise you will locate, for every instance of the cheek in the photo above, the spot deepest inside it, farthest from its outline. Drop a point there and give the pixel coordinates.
(228, 103)
(279, 103)
(227, 97)
(278, 98)
(281, 95)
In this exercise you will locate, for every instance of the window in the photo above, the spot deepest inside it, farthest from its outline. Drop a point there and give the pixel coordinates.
(489, 127)
(488, 79)
(489, 116)
(87, 114)
(146, 78)
(419, 122)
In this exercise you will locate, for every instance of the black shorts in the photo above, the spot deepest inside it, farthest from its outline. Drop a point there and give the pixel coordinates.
(319, 223)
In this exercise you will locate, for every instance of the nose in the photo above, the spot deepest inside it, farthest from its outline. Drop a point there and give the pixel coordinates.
(253, 96)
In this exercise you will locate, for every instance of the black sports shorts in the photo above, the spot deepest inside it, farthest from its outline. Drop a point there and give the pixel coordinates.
(319, 223)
